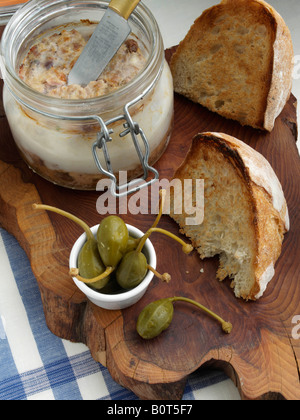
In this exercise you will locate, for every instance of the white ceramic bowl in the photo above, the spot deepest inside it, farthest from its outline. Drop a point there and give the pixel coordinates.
(122, 300)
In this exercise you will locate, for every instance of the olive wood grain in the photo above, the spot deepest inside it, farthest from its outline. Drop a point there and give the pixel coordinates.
(260, 355)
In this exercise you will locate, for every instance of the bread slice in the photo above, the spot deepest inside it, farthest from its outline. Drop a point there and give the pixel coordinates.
(245, 211)
(237, 60)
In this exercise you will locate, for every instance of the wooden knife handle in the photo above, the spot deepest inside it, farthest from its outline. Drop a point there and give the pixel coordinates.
(123, 7)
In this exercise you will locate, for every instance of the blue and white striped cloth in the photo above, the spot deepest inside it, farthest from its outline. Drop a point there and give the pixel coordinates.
(36, 365)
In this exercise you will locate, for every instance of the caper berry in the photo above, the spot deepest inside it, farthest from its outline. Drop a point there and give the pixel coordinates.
(158, 315)
(115, 250)
(155, 318)
(132, 270)
(132, 244)
(89, 262)
(112, 238)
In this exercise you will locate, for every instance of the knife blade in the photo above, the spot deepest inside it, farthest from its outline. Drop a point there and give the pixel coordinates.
(106, 40)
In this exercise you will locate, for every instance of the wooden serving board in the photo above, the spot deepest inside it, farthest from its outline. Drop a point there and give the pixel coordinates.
(261, 355)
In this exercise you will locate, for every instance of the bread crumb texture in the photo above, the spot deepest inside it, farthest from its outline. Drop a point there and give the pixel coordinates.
(237, 60)
(241, 224)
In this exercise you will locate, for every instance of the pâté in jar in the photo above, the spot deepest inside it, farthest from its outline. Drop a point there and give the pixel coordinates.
(53, 123)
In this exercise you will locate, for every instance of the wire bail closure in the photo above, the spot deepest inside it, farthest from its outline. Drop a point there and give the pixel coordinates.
(132, 128)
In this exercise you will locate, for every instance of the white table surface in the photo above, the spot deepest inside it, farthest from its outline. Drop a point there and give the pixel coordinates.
(174, 18)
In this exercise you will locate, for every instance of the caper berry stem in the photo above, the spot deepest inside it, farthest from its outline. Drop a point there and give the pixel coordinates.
(74, 272)
(226, 326)
(70, 216)
(186, 248)
(164, 277)
(162, 194)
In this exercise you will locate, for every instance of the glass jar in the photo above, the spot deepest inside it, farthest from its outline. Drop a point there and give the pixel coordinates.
(56, 136)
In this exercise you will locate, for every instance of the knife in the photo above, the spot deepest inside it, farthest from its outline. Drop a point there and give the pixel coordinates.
(109, 35)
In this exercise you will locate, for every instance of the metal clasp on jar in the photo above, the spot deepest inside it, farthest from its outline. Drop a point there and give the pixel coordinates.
(134, 130)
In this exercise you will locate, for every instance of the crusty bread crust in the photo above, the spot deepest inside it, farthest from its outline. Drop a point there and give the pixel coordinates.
(237, 60)
(261, 213)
